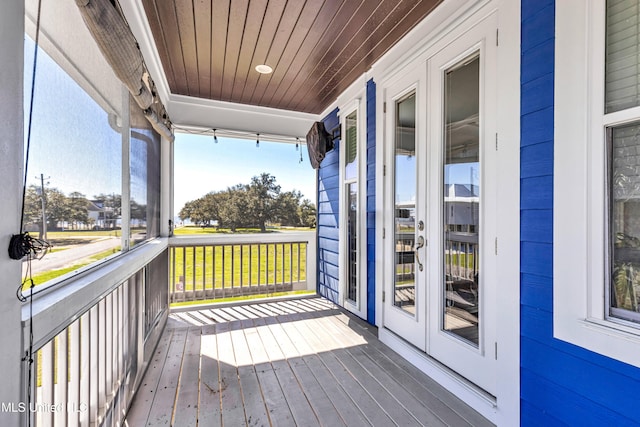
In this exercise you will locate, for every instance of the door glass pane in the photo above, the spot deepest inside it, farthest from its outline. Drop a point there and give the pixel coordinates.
(405, 203)
(624, 231)
(461, 200)
(352, 241)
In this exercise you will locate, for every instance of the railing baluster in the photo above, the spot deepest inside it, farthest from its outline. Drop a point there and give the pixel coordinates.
(282, 281)
(102, 360)
(93, 370)
(74, 374)
(250, 266)
(233, 267)
(241, 264)
(204, 271)
(275, 267)
(108, 347)
(85, 367)
(299, 262)
(61, 393)
(45, 418)
(184, 273)
(215, 268)
(224, 266)
(259, 265)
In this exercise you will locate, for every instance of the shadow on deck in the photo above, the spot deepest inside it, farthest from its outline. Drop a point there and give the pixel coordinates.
(301, 362)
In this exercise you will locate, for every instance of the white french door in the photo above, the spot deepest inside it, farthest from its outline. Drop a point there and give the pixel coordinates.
(440, 139)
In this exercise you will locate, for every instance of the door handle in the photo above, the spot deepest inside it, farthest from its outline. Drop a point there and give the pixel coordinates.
(419, 244)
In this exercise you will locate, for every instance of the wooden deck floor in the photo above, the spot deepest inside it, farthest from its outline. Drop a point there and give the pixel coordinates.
(302, 362)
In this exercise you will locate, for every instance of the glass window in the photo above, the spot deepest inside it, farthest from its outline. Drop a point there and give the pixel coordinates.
(352, 241)
(461, 200)
(75, 120)
(405, 204)
(622, 91)
(144, 160)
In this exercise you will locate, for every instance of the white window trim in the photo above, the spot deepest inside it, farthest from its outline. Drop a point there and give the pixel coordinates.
(355, 103)
(579, 221)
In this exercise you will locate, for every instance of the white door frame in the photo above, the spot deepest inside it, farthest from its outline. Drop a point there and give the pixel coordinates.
(451, 19)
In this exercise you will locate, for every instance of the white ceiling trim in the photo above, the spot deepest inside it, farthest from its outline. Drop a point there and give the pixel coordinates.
(204, 113)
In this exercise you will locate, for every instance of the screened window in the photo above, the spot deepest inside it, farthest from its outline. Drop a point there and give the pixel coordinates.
(622, 92)
(144, 160)
(76, 116)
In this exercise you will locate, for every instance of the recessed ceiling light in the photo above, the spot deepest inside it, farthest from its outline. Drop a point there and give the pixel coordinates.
(264, 69)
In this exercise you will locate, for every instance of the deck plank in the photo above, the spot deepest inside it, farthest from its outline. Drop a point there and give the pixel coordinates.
(303, 362)
(365, 403)
(210, 406)
(450, 409)
(186, 406)
(143, 399)
(161, 412)
(230, 391)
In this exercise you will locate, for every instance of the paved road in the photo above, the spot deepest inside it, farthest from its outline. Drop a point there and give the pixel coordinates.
(68, 257)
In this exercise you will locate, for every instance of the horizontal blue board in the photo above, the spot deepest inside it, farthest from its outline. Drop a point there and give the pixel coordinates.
(536, 64)
(537, 160)
(534, 95)
(536, 29)
(534, 416)
(536, 291)
(537, 226)
(537, 127)
(532, 7)
(536, 192)
(565, 405)
(536, 258)
(608, 388)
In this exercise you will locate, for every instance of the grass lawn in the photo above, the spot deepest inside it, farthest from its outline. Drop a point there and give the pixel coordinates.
(43, 277)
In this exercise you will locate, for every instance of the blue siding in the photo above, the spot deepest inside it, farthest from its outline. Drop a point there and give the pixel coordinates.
(561, 384)
(371, 202)
(329, 217)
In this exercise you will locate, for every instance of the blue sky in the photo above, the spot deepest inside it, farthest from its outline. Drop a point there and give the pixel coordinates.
(202, 166)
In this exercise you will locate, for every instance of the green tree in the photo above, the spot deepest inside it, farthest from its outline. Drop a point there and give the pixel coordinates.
(233, 210)
(307, 213)
(287, 212)
(78, 212)
(262, 205)
(57, 207)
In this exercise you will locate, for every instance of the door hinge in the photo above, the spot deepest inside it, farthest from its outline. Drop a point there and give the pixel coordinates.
(384, 170)
(384, 232)
(383, 296)
(497, 37)
(496, 350)
(496, 141)
(384, 107)
(496, 246)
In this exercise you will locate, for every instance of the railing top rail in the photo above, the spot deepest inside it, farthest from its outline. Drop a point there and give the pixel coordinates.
(253, 238)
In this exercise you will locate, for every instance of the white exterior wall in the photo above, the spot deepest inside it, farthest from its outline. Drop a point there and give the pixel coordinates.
(11, 160)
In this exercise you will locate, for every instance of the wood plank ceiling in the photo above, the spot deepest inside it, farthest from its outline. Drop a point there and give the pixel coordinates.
(317, 48)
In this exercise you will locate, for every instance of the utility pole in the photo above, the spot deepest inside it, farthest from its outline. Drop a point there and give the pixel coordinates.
(44, 207)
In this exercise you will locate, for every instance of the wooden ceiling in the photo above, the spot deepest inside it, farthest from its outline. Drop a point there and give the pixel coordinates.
(209, 48)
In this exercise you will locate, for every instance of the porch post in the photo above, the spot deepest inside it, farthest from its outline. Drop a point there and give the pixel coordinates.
(11, 160)
(166, 187)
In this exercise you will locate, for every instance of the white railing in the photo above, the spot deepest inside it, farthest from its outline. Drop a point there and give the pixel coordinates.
(93, 338)
(222, 266)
